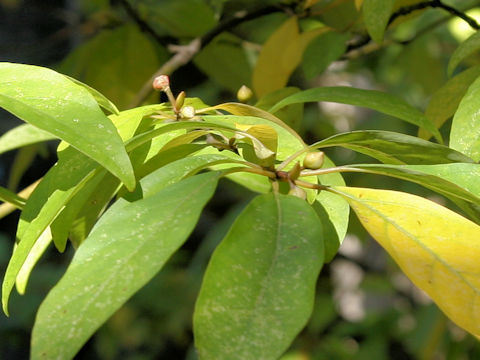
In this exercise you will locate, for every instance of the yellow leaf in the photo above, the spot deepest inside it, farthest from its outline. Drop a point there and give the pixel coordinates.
(438, 249)
(280, 55)
(358, 4)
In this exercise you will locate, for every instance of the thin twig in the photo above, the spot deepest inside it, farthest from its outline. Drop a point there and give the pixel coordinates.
(142, 24)
(185, 53)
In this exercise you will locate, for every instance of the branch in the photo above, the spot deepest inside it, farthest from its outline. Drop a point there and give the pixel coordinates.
(185, 53)
(434, 4)
(364, 41)
(142, 24)
(469, 20)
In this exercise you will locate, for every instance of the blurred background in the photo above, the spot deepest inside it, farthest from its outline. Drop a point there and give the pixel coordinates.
(365, 308)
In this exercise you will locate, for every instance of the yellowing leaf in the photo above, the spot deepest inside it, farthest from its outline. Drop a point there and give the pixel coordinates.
(435, 247)
(265, 133)
(358, 4)
(280, 55)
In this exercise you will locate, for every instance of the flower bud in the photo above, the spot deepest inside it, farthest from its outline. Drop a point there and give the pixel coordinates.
(187, 112)
(314, 160)
(180, 99)
(161, 83)
(244, 94)
(298, 192)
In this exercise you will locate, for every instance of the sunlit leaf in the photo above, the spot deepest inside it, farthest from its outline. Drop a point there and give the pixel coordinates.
(31, 260)
(265, 133)
(101, 99)
(258, 290)
(465, 49)
(287, 143)
(465, 132)
(247, 110)
(23, 135)
(62, 223)
(115, 261)
(184, 139)
(70, 174)
(435, 247)
(394, 148)
(51, 102)
(12, 198)
(372, 99)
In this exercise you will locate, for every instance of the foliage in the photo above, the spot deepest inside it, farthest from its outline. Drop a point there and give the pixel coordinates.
(130, 186)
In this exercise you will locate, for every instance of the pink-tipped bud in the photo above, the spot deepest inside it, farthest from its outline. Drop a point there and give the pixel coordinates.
(161, 83)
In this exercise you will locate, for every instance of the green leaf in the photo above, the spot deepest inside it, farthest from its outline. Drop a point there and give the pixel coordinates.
(145, 137)
(333, 212)
(53, 103)
(268, 119)
(280, 55)
(23, 135)
(175, 171)
(322, 51)
(115, 261)
(465, 49)
(376, 14)
(101, 99)
(116, 62)
(128, 121)
(444, 102)
(394, 148)
(24, 158)
(77, 220)
(286, 142)
(62, 181)
(259, 287)
(465, 132)
(435, 247)
(31, 260)
(291, 115)
(69, 180)
(62, 223)
(231, 67)
(181, 19)
(372, 99)
(12, 198)
(168, 156)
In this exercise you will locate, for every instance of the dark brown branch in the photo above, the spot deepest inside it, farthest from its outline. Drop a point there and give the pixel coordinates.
(406, 10)
(469, 20)
(142, 24)
(434, 4)
(241, 17)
